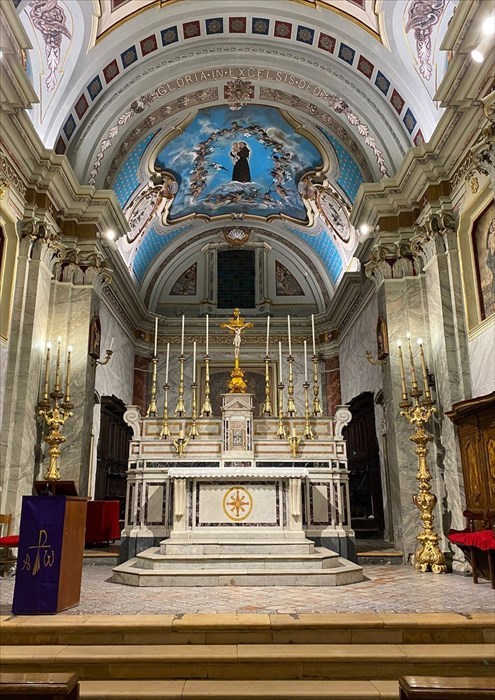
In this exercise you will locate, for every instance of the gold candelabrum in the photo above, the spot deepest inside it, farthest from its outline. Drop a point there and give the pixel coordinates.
(180, 408)
(308, 432)
(266, 409)
(316, 390)
(193, 431)
(165, 432)
(181, 443)
(54, 412)
(152, 407)
(428, 554)
(280, 410)
(291, 406)
(207, 410)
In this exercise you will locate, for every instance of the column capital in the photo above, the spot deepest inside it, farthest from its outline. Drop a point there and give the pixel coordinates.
(83, 267)
(435, 236)
(391, 261)
(40, 239)
(483, 151)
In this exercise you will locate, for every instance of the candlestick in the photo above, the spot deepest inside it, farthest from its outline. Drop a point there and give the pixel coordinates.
(411, 362)
(423, 370)
(167, 363)
(182, 335)
(280, 362)
(181, 443)
(288, 333)
(207, 408)
(156, 336)
(281, 428)
(193, 432)
(267, 335)
(316, 390)
(308, 432)
(67, 402)
(207, 333)
(313, 333)
(267, 405)
(181, 434)
(180, 408)
(152, 408)
(165, 432)
(111, 342)
(56, 389)
(291, 407)
(45, 400)
(294, 442)
(194, 363)
(305, 361)
(402, 374)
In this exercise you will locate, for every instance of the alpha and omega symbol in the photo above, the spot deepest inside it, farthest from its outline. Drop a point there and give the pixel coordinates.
(237, 503)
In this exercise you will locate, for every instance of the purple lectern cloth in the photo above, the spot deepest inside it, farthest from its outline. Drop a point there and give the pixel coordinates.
(39, 555)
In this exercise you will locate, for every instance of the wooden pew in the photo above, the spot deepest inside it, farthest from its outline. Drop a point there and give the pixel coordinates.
(446, 688)
(39, 686)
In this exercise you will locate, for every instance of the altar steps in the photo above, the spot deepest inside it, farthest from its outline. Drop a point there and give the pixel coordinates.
(249, 656)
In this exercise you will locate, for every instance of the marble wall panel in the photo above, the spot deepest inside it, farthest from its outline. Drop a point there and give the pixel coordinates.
(117, 377)
(482, 360)
(4, 352)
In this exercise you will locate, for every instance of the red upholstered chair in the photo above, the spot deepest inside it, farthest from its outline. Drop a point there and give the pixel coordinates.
(477, 541)
(7, 558)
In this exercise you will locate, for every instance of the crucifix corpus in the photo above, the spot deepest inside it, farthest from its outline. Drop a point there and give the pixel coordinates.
(236, 325)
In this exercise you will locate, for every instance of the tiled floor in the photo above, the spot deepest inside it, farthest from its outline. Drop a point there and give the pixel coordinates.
(387, 588)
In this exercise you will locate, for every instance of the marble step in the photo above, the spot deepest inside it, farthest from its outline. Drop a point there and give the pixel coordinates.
(320, 559)
(250, 628)
(239, 690)
(234, 546)
(132, 573)
(253, 661)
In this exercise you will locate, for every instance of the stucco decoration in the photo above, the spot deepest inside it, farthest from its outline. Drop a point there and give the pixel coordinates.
(423, 15)
(50, 20)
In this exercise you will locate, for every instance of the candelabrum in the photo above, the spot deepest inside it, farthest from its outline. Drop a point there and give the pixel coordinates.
(308, 432)
(106, 359)
(281, 428)
(165, 432)
(55, 413)
(266, 409)
(207, 409)
(180, 444)
(316, 390)
(375, 361)
(180, 409)
(291, 407)
(418, 413)
(294, 442)
(193, 431)
(152, 408)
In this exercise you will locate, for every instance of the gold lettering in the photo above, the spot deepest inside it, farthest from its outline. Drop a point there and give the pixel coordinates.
(26, 564)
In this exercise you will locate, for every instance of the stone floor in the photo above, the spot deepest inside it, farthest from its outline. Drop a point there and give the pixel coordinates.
(386, 588)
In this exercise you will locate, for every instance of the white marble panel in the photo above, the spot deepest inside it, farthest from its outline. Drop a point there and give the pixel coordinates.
(482, 361)
(117, 377)
(3, 373)
(251, 504)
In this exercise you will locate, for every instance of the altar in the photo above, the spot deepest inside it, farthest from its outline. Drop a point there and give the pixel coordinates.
(237, 499)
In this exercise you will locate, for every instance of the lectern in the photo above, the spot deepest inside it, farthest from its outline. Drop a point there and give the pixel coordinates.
(50, 555)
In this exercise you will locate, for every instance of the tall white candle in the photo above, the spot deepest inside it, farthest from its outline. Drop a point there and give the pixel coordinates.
(194, 364)
(207, 329)
(280, 362)
(182, 336)
(313, 333)
(305, 361)
(156, 337)
(166, 363)
(111, 342)
(267, 334)
(288, 332)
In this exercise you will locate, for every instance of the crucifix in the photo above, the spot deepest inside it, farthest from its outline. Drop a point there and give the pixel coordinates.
(237, 385)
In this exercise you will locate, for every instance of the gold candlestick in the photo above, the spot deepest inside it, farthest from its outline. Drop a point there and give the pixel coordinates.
(165, 432)
(308, 432)
(207, 410)
(415, 390)
(67, 403)
(404, 401)
(266, 409)
(152, 408)
(180, 409)
(281, 429)
(291, 407)
(294, 442)
(45, 398)
(193, 432)
(428, 554)
(316, 390)
(424, 373)
(181, 443)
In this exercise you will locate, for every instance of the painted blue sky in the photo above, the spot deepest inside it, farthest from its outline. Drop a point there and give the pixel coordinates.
(200, 160)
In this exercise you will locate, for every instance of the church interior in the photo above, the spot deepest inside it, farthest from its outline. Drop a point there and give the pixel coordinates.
(247, 347)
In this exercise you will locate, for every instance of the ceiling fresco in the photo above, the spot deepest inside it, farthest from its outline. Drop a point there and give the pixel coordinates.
(247, 162)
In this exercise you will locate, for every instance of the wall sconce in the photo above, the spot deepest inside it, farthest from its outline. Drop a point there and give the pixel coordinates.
(373, 360)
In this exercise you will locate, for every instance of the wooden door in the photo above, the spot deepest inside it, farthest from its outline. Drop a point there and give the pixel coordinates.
(112, 453)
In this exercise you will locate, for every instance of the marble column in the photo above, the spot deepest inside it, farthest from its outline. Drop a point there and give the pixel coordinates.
(20, 430)
(332, 375)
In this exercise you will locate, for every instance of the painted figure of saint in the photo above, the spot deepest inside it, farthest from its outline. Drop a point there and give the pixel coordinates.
(240, 154)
